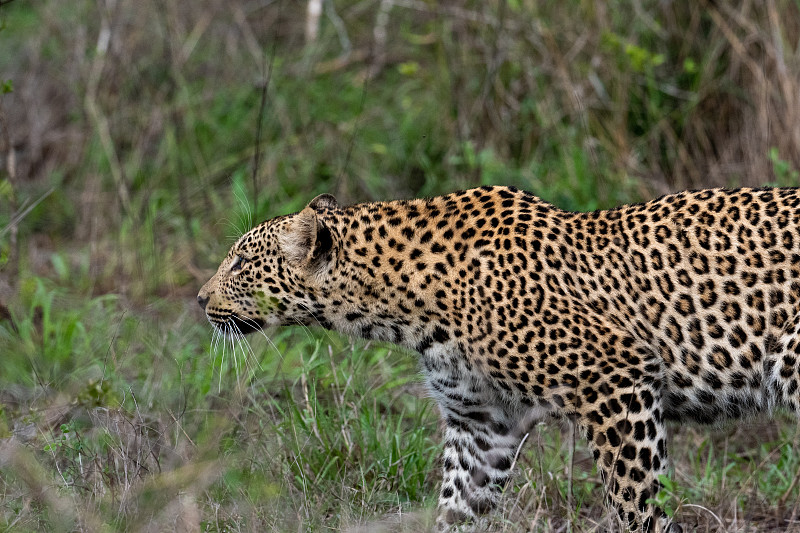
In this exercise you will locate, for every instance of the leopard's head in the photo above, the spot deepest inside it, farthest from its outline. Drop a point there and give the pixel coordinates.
(274, 274)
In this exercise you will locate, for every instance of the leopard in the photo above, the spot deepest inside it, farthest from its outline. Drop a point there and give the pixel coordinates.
(681, 309)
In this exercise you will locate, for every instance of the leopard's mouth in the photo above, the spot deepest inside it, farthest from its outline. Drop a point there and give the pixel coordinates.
(238, 324)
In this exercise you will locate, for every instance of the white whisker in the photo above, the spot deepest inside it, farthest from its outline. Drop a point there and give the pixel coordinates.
(223, 340)
(217, 337)
(247, 350)
(306, 329)
(237, 343)
(233, 226)
(319, 323)
(255, 324)
(241, 196)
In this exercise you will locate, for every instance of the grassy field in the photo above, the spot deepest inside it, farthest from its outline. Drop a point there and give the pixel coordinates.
(140, 138)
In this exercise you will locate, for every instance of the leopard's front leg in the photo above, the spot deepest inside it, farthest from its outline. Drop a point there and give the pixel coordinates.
(481, 439)
(479, 448)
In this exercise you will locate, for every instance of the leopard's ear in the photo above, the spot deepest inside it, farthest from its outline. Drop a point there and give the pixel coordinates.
(306, 240)
(323, 201)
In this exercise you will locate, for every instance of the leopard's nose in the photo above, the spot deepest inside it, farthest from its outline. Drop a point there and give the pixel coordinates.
(203, 301)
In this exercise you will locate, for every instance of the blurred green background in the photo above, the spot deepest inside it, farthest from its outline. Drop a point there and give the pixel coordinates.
(139, 139)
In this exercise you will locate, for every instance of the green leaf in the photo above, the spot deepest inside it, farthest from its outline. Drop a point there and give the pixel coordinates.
(408, 68)
(6, 189)
(666, 482)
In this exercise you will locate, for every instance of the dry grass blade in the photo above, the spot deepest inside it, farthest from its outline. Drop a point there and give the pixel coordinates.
(19, 462)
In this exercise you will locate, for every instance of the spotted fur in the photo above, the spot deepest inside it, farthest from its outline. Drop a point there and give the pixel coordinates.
(684, 308)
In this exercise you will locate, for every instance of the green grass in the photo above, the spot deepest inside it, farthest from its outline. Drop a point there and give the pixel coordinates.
(141, 422)
(127, 424)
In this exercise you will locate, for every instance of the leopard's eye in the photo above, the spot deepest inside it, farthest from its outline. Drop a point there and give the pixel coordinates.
(238, 264)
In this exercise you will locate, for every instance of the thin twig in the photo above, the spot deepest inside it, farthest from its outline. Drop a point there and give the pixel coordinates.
(571, 466)
(519, 449)
(785, 497)
(98, 118)
(341, 30)
(379, 36)
(13, 224)
(261, 111)
(24, 210)
(355, 130)
(313, 13)
(706, 509)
